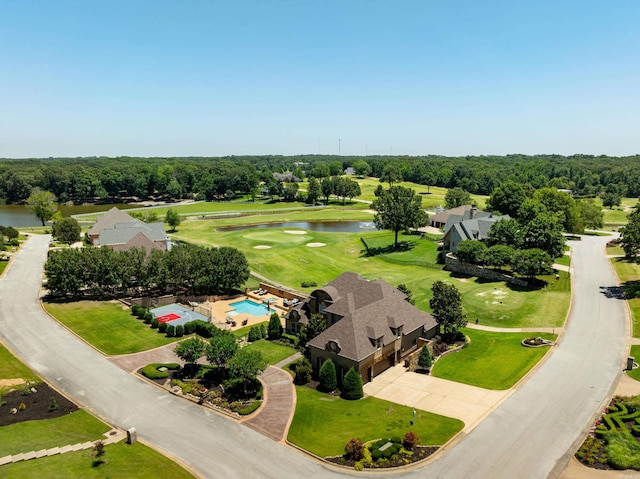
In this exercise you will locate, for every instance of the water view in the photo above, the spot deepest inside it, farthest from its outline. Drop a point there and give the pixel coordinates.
(19, 216)
(323, 226)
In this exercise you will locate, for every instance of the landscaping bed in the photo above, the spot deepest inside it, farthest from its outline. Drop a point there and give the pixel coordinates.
(30, 406)
(419, 453)
(613, 442)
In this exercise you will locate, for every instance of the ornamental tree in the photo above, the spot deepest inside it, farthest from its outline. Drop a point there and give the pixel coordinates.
(274, 330)
(446, 305)
(352, 385)
(327, 376)
(397, 209)
(43, 204)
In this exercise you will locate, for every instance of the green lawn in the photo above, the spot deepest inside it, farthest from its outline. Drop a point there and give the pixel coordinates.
(107, 326)
(290, 261)
(11, 368)
(615, 250)
(492, 360)
(564, 260)
(79, 426)
(271, 353)
(122, 461)
(238, 333)
(629, 274)
(3, 265)
(635, 352)
(508, 306)
(323, 424)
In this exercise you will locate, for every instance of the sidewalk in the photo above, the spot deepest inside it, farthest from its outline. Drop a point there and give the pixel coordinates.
(113, 436)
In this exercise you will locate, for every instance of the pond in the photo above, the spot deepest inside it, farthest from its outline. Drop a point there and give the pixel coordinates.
(322, 226)
(19, 216)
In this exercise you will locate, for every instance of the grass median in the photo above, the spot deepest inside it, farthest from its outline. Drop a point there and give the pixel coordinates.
(629, 274)
(491, 360)
(323, 423)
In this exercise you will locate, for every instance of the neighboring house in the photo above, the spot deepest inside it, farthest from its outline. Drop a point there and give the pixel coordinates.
(440, 219)
(370, 325)
(120, 232)
(286, 177)
(473, 224)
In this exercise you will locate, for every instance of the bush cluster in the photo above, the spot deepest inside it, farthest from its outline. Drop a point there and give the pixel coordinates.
(256, 333)
(302, 371)
(151, 370)
(308, 284)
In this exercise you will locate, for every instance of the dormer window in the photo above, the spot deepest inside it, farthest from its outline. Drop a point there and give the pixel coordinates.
(397, 332)
(376, 343)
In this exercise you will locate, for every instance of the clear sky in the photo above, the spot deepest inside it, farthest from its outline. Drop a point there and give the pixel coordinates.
(210, 78)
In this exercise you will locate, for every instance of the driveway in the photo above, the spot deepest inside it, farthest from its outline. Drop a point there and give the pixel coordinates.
(468, 403)
(530, 435)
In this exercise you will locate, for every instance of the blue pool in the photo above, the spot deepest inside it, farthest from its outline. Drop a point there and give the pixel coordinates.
(250, 307)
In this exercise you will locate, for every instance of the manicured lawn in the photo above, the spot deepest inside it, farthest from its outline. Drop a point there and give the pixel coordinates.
(122, 461)
(635, 352)
(323, 424)
(79, 426)
(615, 217)
(615, 250)
(290, 261)
(629, 274)
(107, 326)
(238, 333)
(11, 368)
(564, 260)
(3, 265)
(506, 306)
(492, 360)
(271, 353)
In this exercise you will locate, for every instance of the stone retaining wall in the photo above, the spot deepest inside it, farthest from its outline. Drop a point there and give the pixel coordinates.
(454, 264)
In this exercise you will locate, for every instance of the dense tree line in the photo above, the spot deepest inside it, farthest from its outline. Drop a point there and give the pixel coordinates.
(85, 179)
(186, 268)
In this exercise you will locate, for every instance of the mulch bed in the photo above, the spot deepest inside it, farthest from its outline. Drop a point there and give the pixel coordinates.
(419, 453)
(37, 404)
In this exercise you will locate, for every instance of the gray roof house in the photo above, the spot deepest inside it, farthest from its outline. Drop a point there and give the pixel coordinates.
(370, 325)
(473, 224)
(128, 233)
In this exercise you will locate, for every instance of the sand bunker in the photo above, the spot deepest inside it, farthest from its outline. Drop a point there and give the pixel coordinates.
(295, 232)
(262, 246)
(316, 245)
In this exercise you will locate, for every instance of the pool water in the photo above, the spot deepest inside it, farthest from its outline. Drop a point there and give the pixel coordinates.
(250, 307)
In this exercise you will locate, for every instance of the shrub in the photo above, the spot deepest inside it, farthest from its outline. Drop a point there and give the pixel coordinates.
(148, 317)
(22, 406)
(190, 327)
(134, 309)
(308, 284)
(327, 376)
(179, 331)
(387, 453)
(155, 324)
(254, 334)
(623, 450)
(354, 449)
(424, 360)
(352, 385)
(396, 440)
(151, 370)
(53, 404)
(376, 454)
(302, 371)
(410, 440)
(275, 328)
(263, 330)
(171, 331)
(141, 312)
(249, 409)
(162, 328)
(291, 339)
(14, 242)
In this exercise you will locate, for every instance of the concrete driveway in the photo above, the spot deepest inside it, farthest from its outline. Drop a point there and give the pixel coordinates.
(468, 403)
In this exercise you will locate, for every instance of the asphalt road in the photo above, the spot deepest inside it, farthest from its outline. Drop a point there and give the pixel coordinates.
(528, 436)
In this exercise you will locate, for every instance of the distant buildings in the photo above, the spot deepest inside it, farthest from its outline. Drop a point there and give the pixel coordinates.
(464, 223)
(121, 232)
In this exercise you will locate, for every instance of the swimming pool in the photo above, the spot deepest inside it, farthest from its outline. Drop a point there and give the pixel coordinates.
(250, 307)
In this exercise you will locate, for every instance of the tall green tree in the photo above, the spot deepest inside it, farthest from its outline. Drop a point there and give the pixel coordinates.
(66, 230)
(313, 191)
(391, 174)
(532, 262)
(43, 204)
(397, 209)
(456, 197)
(425, 360)
(630, 234)
(544, 232)
(274, 330)
(591, 214)
(471, 251)
(352, 385)
(327, 376)
(245, 366)
(172, 218)
(507, 198)
(317, 323)
(506, 232)
(221, 348)
(446, 306)
(190, 350)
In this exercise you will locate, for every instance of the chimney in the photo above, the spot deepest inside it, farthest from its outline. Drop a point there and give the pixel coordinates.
(474, 211)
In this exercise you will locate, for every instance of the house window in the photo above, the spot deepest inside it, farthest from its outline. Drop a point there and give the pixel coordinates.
(378, 343)
(397, 332)
(295, 328)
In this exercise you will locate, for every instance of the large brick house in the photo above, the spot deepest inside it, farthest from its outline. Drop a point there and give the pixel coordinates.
(370, 325)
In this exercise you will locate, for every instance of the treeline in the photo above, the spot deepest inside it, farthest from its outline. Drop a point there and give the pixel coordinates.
(88, 179)
(185, 268)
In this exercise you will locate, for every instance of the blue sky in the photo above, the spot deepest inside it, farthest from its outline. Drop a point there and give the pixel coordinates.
(209, 78)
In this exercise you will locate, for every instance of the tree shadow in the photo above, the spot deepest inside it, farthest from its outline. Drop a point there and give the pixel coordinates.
(378, 250)
(616, 292)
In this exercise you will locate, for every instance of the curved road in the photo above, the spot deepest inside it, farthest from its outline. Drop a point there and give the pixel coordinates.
(528, 436)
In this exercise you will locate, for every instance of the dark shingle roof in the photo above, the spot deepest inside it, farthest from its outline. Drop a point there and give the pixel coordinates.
(369, 310)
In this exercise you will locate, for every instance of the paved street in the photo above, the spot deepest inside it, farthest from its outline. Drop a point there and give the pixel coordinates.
(528, 436)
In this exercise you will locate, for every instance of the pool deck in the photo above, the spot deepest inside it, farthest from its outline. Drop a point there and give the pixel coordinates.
(220, 309)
